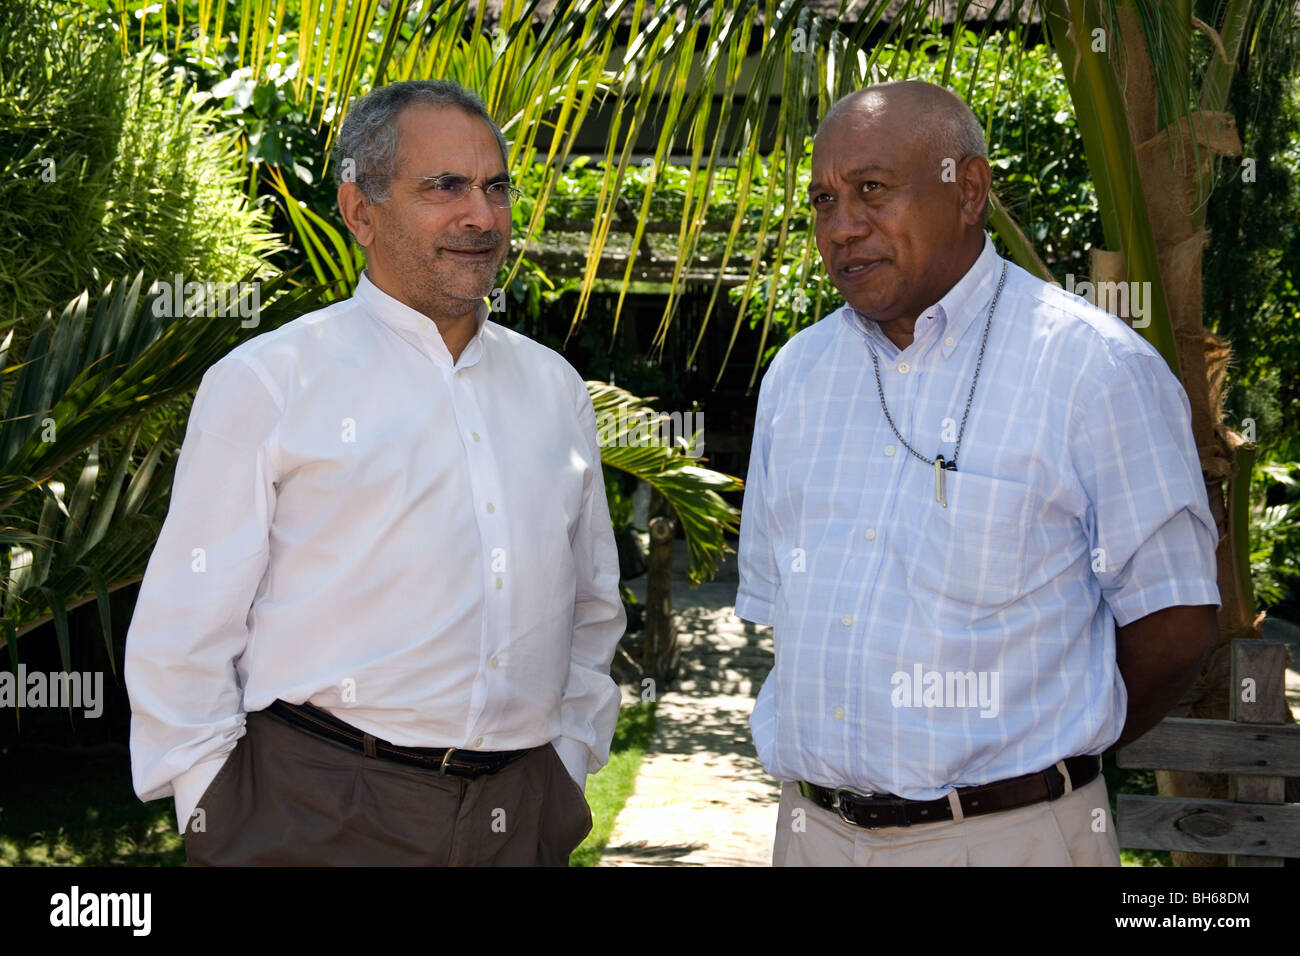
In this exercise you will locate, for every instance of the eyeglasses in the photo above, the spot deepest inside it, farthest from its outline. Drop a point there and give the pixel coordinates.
(453, 188)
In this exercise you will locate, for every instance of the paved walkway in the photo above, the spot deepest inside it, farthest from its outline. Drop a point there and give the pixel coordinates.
(702, 797)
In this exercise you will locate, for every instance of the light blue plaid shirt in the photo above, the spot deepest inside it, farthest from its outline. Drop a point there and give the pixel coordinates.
(921, 648)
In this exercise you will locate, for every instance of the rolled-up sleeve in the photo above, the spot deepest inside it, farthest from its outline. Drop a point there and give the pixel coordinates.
(190, 622)
(589, 711)
(1152, 533)
(755, 559)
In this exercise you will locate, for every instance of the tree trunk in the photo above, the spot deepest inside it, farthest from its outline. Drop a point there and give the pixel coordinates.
(660, 652)
(1175, 165)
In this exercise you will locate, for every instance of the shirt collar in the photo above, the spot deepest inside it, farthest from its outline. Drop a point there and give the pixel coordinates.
(964, 302)
(416, 327)
(959, 306)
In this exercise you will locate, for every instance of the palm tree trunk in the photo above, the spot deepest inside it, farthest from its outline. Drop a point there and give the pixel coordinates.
(1175, 166)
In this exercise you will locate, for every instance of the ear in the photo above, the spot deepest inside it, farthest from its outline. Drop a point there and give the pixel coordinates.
(974, 178)
(357, 213)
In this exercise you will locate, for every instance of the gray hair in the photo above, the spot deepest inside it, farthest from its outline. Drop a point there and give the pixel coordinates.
(957, 132)
(369, 137)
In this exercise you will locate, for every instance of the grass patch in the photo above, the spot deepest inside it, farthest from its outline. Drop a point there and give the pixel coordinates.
(609, 789)
(65, 809)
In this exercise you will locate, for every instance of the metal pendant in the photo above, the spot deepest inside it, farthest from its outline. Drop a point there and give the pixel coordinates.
(940, 486)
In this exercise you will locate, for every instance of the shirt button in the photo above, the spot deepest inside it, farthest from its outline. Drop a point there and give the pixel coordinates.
(950, 341)
(478, 742)
(847, 619)
(474, 435)
(871, 534)
(889, 451)
(904, 368)
(839, 713)
(491, 508)
(494, 663)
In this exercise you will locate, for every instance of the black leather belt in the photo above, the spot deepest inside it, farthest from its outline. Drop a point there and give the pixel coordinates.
(873, 810)
(445, 760)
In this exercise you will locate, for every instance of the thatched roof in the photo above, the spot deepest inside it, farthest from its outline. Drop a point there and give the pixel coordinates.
(977, 11)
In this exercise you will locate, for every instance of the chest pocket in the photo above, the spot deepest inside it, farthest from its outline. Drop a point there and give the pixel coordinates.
(969, 558)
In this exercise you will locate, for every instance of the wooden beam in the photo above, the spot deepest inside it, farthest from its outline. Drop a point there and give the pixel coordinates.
(1208, 826)
(571, 265)
(628, 227)
(1216, 746)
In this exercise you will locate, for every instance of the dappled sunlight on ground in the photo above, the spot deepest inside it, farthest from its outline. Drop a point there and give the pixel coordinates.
(702, 797)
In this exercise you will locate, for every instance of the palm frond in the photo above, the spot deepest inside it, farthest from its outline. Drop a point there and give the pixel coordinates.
(693, 492)
(87, 375)
(74, 415)
(686, 77)
(1112, 158)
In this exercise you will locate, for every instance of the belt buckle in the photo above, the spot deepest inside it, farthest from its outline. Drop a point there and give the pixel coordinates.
(837, 804)
(442, 769)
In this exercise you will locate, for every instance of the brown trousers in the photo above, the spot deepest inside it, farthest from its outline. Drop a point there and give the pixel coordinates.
(285, 797)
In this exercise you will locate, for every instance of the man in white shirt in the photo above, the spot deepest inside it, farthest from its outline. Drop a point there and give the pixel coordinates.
(378, 621)
(956, 646)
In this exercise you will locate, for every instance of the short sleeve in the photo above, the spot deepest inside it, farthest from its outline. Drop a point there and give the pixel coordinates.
(1152, 535)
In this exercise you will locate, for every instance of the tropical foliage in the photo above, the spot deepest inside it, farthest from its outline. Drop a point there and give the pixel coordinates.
(1275, 531)
(109, 166)
(1252, 264)
(145, 176)
(83, 478)
(693, 492)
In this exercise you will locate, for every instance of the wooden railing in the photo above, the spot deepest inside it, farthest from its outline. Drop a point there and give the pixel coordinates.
(1258, 748)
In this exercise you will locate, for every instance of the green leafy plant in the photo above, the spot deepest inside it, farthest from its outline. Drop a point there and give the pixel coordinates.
(86, 410)
(109, 166)
(694, 493)
(1275, 530)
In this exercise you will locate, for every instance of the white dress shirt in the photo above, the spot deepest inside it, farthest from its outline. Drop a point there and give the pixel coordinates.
(421, 547)
(1078, 504)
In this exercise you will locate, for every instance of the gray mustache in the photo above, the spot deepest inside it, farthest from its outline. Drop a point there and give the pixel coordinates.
(494, 243)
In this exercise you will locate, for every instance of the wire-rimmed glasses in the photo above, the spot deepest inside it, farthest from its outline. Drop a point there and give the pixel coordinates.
(451, 188)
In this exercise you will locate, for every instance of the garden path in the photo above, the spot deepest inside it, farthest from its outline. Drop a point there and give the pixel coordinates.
(702, 797)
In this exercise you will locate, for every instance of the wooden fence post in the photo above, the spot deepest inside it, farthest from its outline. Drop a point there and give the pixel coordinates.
(1258, 691)
(660, 652)
(1258, 749)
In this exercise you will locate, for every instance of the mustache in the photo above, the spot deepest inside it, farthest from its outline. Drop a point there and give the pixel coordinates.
(489, 240)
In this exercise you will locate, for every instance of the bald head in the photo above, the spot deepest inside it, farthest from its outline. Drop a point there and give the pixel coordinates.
(937, 117)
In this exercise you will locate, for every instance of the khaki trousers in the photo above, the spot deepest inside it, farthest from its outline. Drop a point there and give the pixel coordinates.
(1074, 830)
(285, 797)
